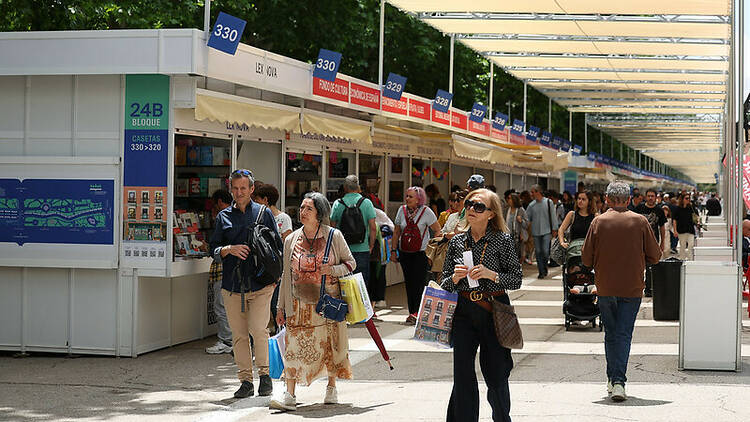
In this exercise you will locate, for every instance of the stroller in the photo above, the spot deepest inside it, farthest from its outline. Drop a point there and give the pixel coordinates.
(578, 306)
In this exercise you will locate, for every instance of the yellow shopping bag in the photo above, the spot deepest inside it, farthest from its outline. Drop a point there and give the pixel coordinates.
(351, 292)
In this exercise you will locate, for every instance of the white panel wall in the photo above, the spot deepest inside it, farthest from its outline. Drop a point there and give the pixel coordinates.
(66, 115)
(47, 302)
(188, 307)
(154, 302)
(264, 160)
(94, 303)
(502, 181)
(10, 307)
(12, 114)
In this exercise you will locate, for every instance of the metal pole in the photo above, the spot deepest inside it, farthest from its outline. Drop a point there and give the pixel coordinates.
(601, 142)
(570, 127)
(450, 72)
(509, 119)
(525, 125)
(740, 133)
(207, 18)
(492, 84)
(585, 132)
(380, 46)
(549, 116)
(620, 151)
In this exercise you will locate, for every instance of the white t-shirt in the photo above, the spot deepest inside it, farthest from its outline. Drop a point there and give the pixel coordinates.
(426, 220)
(283, 222)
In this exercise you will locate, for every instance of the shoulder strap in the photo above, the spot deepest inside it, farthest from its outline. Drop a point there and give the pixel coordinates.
(361, 200)
(259, 218)
(549, 211)
(325, 260)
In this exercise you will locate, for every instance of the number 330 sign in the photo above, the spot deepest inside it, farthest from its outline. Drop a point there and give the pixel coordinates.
(226, 33)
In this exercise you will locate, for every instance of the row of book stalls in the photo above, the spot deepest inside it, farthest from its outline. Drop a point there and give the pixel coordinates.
(109, 161)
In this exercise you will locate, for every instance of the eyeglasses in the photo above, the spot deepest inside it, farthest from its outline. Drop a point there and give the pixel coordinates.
(242, 172)
(478, 206)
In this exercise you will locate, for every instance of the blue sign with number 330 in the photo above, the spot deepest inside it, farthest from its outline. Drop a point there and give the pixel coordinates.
(226, 33)
(327, 65)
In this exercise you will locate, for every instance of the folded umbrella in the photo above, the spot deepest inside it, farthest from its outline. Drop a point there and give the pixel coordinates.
(378, 341)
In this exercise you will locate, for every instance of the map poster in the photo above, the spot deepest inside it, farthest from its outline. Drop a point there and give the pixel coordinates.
(145, 162)
(65, 211)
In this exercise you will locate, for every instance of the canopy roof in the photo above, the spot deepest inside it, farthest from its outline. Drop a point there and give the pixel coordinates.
(659, 67)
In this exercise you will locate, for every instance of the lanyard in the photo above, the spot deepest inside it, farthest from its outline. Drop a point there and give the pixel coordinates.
(310, 242)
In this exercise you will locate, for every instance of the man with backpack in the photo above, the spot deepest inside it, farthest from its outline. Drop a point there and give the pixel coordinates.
(249, 247)
(544, 224)
(354, 215)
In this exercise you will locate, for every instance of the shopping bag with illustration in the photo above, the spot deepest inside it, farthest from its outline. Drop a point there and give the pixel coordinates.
(351, 292)
(435, 317)
(276, 349)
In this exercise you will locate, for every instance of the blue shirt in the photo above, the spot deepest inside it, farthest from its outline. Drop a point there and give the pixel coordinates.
(232, 228)
(540, 213)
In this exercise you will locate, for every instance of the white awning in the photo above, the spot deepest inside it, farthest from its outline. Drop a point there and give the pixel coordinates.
(237, 110)
(341, 127)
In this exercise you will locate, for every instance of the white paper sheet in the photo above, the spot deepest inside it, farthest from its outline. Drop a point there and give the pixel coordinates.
(469, 262)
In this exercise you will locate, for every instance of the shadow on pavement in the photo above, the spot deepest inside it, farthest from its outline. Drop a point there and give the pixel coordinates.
(322, 411)
(633, 401)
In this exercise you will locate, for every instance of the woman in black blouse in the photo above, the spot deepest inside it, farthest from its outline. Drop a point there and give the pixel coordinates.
(496, 269)
(579, 220)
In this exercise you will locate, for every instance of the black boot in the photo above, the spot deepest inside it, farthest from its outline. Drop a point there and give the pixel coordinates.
(245, 390)
(266, 386)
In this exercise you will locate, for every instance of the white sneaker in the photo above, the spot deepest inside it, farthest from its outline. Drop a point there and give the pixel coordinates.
(286, 402)
(218, 348)
(618, 393)
(332, 396)
(609, 387)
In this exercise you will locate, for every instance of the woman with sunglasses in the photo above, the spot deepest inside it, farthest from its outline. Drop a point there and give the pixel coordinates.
(455, 205)
(315, 346)
(496, 269)
(411, 235)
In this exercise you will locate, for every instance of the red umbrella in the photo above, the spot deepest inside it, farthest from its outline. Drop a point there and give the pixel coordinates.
(378, 341)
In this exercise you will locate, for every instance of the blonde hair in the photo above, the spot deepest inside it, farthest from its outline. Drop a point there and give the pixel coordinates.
(498, 222)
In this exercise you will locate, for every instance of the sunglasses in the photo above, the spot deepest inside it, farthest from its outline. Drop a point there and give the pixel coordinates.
(478, 206)
(243, 172)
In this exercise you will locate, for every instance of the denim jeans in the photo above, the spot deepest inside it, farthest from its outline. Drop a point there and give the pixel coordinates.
(363, 265)
(541, 244)
(224, 332)
(618, 316)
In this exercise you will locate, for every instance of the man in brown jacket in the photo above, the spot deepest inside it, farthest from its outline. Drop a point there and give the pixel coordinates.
(618, 246)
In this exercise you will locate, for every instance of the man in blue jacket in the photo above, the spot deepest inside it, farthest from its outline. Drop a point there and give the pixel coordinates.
(229, 245)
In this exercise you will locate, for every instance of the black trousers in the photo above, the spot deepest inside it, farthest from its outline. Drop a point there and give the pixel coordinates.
(415, 269)
(473, 327)
(376, 286)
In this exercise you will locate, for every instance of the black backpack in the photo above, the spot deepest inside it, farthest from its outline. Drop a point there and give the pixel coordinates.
(352, 223)
(266, 252)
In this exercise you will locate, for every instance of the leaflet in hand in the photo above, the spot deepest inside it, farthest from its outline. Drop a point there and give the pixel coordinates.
(469, 262)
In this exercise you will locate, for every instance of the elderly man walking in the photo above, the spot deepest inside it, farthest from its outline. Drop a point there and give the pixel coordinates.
(618, 246)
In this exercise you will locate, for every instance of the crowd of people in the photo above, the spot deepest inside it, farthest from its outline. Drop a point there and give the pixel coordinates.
(428, 238)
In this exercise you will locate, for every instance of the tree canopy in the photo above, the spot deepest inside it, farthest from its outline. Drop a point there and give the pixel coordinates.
(298, 29)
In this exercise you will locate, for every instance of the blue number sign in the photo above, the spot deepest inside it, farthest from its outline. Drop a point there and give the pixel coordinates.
(546, 138)
(533, 133)
(227, 33)
(500, 121)
(478, 111)
(442, 101)
(577, 149)
(517, 128)
(327, 65)
(394, 86)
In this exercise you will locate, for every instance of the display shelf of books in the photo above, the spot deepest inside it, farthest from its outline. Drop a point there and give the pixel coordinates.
(202, 166)
(303, 175)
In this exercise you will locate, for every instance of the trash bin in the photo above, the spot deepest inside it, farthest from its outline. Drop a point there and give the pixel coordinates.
(666, 276)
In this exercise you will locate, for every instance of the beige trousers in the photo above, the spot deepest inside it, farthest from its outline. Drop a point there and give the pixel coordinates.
(686, 241)
(253, 321)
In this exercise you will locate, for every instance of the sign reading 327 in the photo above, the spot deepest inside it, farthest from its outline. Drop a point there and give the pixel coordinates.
(226, 33)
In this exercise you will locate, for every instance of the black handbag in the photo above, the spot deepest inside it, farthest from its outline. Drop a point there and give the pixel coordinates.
(328, 306)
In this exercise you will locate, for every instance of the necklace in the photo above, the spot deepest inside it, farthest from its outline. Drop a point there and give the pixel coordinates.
(310, 242)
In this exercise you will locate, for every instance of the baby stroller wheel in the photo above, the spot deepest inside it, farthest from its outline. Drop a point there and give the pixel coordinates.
(601, 326)
(567, 324)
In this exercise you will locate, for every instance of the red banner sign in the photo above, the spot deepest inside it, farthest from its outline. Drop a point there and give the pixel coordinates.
(440, 117)
(398, 107)
(419, 109)
(499, 135)
(746, 180)
(517, 139)
(480, 128)
(338, 90)
(365, 96)
(459, 120)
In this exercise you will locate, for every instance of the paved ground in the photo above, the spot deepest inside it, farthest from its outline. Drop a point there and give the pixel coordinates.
(559, 376)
